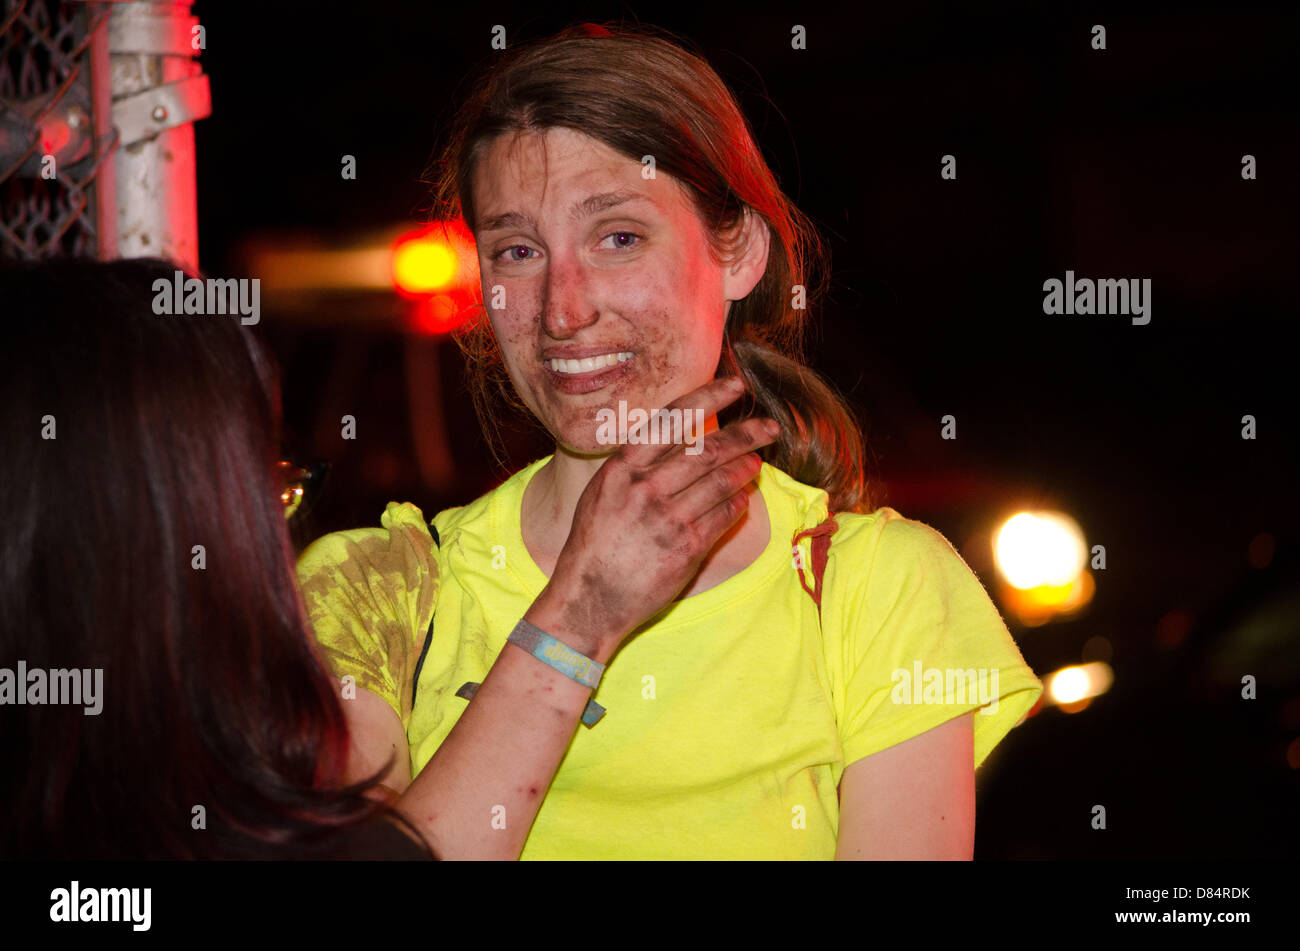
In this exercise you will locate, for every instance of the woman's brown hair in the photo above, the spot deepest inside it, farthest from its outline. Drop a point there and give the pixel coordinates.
(641, 93)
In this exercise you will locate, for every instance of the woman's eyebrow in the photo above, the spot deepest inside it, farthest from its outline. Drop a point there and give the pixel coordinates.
(598, 203)
(591, 205)
(511, 219)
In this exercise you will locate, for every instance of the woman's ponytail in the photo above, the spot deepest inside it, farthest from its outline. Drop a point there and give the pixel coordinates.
(821, 444)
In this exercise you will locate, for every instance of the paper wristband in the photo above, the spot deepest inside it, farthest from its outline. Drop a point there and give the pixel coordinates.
(590, 717)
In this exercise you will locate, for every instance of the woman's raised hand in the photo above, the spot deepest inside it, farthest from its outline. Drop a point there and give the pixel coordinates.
(646, 521)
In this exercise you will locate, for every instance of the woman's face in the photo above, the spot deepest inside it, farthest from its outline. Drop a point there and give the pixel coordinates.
(582, 258)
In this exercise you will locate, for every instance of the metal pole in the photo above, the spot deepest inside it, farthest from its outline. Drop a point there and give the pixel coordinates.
(101, 96)
(158, 92)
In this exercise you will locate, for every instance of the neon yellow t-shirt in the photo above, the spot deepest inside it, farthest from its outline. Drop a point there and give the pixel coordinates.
(732, 714)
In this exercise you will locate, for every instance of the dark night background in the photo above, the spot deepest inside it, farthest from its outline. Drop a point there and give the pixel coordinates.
(1117, 163)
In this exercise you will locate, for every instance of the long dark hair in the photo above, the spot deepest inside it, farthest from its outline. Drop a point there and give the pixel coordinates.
(641, 93)
(130, 439)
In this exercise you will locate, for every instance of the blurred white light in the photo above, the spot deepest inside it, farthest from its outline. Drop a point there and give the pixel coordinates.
(1072, 684)
(1040, 548)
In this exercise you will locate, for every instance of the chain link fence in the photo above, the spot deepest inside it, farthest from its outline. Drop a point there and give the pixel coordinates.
(51, 152)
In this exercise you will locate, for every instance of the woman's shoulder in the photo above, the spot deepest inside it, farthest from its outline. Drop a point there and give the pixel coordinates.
(483, 514)
(858, 535)
(401, 541)
(886, 527)
(405, 542)
(885, 545)
(809, 505)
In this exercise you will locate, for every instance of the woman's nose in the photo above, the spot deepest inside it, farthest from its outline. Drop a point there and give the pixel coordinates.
(567, 306)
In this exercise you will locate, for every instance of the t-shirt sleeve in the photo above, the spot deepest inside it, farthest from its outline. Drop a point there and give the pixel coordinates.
(370, 595)
(918, 641)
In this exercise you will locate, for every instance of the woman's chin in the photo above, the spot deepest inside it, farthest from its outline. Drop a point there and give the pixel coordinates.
(584, 447)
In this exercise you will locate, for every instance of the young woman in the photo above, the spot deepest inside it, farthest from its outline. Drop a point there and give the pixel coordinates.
(634, 246)
(160, 692)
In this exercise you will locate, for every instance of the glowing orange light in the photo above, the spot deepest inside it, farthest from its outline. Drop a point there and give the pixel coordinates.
(439, 314)
(436, 268)
(423, 265)
(1036, 606)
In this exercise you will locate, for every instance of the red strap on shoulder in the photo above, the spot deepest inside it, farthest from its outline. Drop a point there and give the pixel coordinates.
(821, 543)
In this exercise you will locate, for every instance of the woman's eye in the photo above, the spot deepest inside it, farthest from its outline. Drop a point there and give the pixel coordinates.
(516, 252)
(623, 239)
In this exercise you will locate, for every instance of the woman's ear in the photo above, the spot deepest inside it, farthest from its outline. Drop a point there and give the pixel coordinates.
(749, 260)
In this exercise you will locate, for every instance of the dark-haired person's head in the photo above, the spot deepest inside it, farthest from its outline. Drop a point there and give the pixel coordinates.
(161, 695)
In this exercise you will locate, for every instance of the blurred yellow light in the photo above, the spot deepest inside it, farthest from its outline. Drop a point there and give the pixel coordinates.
(1040, 550)
(421, 266)
(1070, 685)
(1063, 598)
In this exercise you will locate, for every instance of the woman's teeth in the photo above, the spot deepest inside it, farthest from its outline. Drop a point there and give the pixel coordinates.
(587, 364)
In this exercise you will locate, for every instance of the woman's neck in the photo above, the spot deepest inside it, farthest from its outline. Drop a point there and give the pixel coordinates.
(552, 494)
(551, 498)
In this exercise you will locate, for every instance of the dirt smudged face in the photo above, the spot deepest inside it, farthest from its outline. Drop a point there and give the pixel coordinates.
(594, 260)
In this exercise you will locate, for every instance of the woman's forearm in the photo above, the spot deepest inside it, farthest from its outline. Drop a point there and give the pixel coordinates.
(479, 794)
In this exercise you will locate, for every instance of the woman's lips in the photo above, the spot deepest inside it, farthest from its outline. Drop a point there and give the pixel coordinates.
(589, 382)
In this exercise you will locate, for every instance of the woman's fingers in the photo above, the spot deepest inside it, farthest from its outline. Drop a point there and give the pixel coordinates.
(652, 513)
(680, 472)
(715, 487)
(713, 523)
(709, 398)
